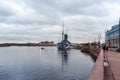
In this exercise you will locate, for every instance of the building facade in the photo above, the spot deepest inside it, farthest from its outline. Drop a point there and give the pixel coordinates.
(112, 36)
(47, 43)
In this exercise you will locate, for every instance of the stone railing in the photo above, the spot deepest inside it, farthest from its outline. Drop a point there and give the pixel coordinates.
(97, 73)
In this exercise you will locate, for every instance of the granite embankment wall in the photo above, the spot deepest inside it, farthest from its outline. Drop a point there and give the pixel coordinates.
(97, 72)
(92, 50)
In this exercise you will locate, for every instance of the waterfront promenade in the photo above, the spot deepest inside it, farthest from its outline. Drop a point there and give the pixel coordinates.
(114, 63)
(102, 72)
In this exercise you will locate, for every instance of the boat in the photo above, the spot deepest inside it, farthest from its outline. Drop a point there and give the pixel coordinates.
(64, 44)
(42, 48)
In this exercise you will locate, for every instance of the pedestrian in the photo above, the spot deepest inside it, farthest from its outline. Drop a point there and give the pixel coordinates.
(104, 48)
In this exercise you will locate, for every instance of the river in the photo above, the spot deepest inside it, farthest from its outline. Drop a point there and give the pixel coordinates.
(34, 63)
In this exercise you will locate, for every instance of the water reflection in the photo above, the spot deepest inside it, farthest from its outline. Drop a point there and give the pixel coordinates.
(64, 56)
(91, 55)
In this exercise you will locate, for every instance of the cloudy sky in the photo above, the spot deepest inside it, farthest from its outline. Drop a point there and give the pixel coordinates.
(40, 20)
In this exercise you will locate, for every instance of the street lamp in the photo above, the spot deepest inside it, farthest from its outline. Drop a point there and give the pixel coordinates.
(119, 34)
(99, 37)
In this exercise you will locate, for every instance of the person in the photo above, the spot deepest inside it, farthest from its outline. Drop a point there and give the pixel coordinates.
(107, 48)
(104, 48)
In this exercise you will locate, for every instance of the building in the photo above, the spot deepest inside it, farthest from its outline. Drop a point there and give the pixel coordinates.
(47, 43)
(112, 36)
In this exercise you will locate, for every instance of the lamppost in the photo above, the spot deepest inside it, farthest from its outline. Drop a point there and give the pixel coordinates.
(99, 37)
(119, 34)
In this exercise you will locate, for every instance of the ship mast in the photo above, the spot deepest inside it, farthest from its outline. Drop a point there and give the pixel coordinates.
(63, 32)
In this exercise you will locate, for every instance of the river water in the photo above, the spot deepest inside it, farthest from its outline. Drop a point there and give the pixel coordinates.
(32, 63)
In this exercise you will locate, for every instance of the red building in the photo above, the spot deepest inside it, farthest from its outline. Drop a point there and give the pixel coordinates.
(47, 43)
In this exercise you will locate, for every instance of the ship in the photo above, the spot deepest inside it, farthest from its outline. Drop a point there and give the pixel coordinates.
(64, 44)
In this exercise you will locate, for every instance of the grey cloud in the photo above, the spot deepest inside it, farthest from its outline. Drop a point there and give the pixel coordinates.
(5, 11)
(85, 7)
(50, 12)
(35, 20)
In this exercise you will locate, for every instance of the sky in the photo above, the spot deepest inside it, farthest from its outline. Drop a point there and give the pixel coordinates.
(41, 20)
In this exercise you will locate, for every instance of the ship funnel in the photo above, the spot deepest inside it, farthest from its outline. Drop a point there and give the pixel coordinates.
(65, 37)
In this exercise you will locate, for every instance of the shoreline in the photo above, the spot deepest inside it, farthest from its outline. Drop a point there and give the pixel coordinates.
(24, 44)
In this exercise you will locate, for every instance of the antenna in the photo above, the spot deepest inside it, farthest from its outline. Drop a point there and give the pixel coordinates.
(66, 30)
(63, 26)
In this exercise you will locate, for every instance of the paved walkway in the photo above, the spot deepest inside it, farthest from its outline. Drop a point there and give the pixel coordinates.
(114, 62)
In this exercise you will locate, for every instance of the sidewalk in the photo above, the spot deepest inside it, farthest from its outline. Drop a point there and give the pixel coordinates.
(114, 62)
